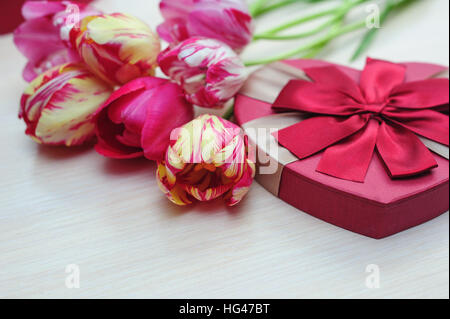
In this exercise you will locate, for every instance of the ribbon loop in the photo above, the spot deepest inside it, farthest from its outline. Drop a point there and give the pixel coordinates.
(346, 129)
(350, 159)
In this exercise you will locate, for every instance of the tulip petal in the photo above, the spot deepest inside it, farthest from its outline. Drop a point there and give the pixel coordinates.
(68, 117)
(40, 9)
(232, 158)
(175, 9)
(43, 37)
(175, 194)
(242, 187)
(162, 117)
(228, 21)
(209, 71)
(38, 38)
(208, 160)
(117, 47)
(208, 194)
(107, 143)
(59, 105)
(34, 68)
(173, 31)
(131, 110)
(141, 115)
(228, 25)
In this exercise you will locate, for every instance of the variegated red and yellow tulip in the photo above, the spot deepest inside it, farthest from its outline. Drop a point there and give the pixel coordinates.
(117, 47)
(58, 106)
(208, 159)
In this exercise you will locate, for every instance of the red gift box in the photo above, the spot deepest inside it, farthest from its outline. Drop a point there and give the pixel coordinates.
(380, 206)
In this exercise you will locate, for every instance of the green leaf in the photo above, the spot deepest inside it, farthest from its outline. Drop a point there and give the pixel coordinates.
(261, 10)
(391, 5)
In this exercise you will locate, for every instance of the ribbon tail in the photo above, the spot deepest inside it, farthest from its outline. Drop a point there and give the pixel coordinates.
(351, 158)
(403, 152)
(428, 123)
(315, 134)
(421, 94)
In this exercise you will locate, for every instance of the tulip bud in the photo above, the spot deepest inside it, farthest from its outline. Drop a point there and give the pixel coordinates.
(117, 48)
(138, 118)
(209, 71)
(58, 106)
(228, 21)
(208, 158)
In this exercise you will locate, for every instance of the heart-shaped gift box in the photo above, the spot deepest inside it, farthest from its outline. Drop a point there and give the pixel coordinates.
(377, 206)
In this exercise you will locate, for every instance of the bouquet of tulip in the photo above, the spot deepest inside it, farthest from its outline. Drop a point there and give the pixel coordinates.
(92, 78)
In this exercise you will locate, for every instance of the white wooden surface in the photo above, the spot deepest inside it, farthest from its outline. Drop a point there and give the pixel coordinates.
(61, 207)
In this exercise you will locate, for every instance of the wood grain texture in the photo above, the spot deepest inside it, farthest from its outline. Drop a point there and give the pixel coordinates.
(60, 207)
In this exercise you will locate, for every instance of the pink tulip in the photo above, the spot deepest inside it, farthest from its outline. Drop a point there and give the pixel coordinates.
(43, 37)
(208, 158)
(226, 20)
(209, 71)
(138, 118)
(59, 105)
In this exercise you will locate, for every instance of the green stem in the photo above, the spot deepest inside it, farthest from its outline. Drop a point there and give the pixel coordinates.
(308, 47)
(229, 113)
(275, 6)
(316, 50)
(340, 11)
(311, 54)
(390, 7)
(299, 21)
(256, 7)
(306, 34)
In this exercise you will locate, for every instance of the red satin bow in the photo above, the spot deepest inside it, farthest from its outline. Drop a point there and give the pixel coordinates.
(382, 111)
